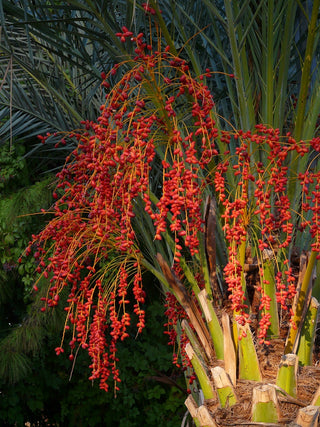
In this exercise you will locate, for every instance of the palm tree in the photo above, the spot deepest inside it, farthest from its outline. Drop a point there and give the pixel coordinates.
(256, 50)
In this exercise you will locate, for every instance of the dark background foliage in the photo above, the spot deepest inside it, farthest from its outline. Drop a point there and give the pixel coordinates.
(35, 384)
(152, 390)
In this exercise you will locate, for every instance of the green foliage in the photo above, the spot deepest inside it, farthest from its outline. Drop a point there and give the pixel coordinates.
(11, 167)
(45, 394)
(51, 66)
(265, 44)
(21, 196)
(147, 391)
(19, 218)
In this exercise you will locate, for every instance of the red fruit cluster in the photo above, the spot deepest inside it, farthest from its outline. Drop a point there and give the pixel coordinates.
(148, 9)
(175, 313)
(97, 192)
(91, 246)
(124, 35)
(256, 197)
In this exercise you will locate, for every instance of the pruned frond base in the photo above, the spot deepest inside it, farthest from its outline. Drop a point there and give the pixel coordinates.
(240, 413)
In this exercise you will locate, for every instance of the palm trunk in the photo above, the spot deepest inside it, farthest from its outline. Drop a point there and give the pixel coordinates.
(256, 393)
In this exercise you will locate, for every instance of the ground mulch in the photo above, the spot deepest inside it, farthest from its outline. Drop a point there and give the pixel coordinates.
(269, 358)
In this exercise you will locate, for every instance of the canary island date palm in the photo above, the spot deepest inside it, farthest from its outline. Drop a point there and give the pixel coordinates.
(154, 184)
(224, 212)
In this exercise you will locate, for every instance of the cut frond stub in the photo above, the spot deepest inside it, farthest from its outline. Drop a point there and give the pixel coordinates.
(287, 374)
(225, 391)
(265, 404)
(308, 416)
(200, 414)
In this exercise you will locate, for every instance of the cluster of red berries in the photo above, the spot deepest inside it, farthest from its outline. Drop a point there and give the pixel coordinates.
(175, 313)
(143, 133)
(256, 196)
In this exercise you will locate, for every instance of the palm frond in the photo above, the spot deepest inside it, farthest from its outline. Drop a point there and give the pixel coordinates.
(57, 53)
(14, 365)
